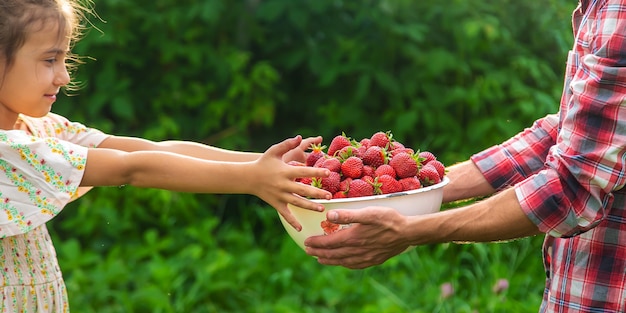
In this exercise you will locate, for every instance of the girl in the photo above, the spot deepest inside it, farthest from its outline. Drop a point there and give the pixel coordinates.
(44, 158)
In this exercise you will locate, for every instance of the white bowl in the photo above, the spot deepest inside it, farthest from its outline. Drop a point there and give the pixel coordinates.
(414, 202)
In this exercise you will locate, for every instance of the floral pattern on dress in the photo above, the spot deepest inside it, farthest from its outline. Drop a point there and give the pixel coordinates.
(41, 166)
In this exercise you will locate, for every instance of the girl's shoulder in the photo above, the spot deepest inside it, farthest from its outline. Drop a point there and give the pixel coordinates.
(50, 125)
(54, 125)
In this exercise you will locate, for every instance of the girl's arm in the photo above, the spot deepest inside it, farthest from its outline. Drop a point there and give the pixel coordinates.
(267, 177)
(199, 150)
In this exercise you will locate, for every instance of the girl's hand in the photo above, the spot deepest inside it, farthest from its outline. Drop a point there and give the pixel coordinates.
(300, 153)
(275, 180)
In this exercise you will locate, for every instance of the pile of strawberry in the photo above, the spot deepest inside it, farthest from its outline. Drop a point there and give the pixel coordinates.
(372, 166)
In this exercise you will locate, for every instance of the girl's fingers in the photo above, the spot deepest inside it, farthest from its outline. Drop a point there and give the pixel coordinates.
(306, 204)
(308, 191)
(308, 171)
(279, 149)
(307, 142)
(289, 218)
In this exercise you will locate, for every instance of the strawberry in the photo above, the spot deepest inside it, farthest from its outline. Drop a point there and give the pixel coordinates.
(317, 151)
(375, 156)
(428, 175)
(365, 142)
(344, 185)
(426, 156)
(381, 139)
(404, 164)
(360, 188)
(339, 195)
(352, 167)
(394, 145)
(385, 169)
(337, 143)
(333, 164)
(388, 184)
(400, 150)
(305, 180)
(330, 183)
(360, 150)
(368, 179)
(347, 152)
(410, 183)
(369, 171)
(441, 169)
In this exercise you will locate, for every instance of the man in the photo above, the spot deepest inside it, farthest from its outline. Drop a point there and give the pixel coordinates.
(562, 177)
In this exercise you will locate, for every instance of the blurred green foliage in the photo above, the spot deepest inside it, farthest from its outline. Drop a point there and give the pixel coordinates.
(451, 77)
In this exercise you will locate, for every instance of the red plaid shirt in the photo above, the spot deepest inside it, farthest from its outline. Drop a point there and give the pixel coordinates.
(569, 169)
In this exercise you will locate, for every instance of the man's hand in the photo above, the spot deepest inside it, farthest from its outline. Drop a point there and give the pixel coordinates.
(374, 236)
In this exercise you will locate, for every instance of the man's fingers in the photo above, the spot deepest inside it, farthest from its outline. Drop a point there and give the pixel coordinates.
(366, 215)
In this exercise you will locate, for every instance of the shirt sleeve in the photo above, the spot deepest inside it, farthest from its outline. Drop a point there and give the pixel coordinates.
(573, 192)
(38, 176)
(520, 157)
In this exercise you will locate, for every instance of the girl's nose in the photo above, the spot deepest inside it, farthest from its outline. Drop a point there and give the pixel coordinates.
(62, 76)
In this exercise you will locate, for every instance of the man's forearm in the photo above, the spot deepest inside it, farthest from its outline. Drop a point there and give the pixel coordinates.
(497, 218)
(466, 181)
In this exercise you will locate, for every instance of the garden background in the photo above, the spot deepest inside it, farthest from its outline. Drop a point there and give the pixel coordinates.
(452, 77)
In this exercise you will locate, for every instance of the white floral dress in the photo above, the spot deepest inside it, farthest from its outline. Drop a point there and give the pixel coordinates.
(41, 165)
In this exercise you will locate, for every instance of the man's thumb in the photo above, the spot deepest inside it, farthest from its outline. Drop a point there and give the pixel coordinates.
(340, 216)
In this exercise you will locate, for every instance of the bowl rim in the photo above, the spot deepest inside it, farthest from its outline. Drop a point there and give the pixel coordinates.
(443, 182)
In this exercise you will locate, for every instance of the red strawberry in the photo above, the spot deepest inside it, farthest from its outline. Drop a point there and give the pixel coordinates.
(375, 156)
(388, 184)
(360, 150)
(330, 183)
(317, 151)
(428, 175)
(385, 169)
(441, 169)
(369, 171)
(337, 143)
(344, 185)
(426, 156)
(305, 180)
(360, 188)
(333, 164)
(400, 150)
(347, 152)
(394, 145)
(381, 139)
(410, 183)
(365, 142)
(339, 195)
(352, 167)
(404, 164)
(368, 179)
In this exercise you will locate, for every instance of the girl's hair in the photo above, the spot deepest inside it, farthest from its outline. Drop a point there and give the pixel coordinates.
(19, 18)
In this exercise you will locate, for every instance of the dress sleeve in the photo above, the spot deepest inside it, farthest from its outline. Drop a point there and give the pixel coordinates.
(38, 177)
(55, 125)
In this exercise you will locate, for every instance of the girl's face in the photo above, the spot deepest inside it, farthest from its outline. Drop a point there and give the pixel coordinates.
(31, 84)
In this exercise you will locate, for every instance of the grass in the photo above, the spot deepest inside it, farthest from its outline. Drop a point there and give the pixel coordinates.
(255, 267)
